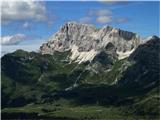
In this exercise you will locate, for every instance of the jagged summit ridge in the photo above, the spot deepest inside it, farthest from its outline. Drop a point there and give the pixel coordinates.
(86, 41)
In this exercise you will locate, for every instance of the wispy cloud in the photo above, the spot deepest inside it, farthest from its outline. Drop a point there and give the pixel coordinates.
(85, 20)
(103, 12)
(104, 19)
(26, 25)
(103, 16)
(12, 39)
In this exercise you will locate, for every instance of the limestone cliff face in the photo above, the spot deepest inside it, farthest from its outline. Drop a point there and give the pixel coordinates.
(86, 41)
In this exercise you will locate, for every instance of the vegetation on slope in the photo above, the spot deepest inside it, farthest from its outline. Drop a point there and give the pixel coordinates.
(35, 83)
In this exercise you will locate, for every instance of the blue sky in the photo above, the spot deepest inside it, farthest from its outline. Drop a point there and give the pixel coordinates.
(39, 21)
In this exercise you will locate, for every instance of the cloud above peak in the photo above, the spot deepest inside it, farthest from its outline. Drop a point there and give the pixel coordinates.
(12, 39)
(23, 10)
(103, 12)
(104, 19)
(103, 16)
(99, 12)
(85, 20)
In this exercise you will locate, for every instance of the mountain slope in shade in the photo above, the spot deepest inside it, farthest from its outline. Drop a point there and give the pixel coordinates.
(146, 65)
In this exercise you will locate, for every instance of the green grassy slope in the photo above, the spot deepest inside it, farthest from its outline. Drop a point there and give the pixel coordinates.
(35, 83)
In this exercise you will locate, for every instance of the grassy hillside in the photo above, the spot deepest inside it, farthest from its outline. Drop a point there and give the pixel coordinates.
(35, 85)
(144, 108)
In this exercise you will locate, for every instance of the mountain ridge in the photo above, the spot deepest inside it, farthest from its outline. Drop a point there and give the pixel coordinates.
(86, 41)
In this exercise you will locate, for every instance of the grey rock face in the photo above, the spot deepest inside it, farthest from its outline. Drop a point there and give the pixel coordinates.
(89, 41)
(105, 58)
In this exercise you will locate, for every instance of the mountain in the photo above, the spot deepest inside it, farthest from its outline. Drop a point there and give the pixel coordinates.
(83, 73)
(145, 68)
(86, 41)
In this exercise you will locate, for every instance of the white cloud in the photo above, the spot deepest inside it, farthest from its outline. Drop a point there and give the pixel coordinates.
(103, 16)
(22, 10)
(26, 25)
(103, 12)
(85, 20)
(104, 19)
(12, 39)
(100, 12)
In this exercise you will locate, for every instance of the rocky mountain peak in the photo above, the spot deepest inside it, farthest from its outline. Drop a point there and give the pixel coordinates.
(150, 38)
(86, 41)
(154, 37)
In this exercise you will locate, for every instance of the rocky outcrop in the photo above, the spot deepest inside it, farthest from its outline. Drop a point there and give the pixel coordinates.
(86, 41)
